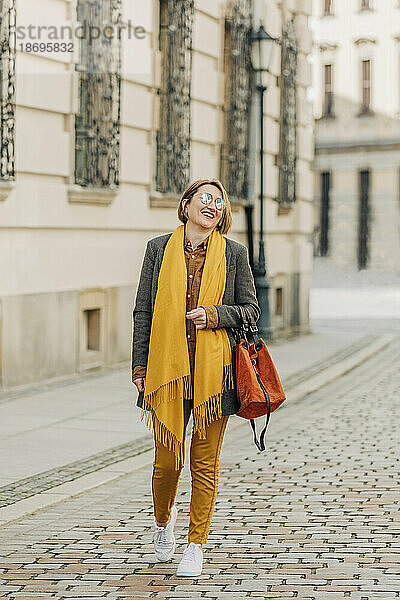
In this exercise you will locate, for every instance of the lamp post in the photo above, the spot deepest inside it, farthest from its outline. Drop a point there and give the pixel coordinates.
(262, 48)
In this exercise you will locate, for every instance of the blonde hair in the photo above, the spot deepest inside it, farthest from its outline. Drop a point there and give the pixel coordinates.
(225, 221)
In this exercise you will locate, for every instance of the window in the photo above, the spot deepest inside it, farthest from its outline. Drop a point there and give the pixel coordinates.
(173, 135)
(366, 85)
(288, 117)
(7, 89)
(237, 69)
(328, 7)
(92, 319)
(97, 124)
(363, 220)
(279, 301)
(324, 213)
(366, 5)
(327, 109)
(94, 328)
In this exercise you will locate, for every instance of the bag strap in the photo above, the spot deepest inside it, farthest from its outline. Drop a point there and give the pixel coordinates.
(260, 444)
(241, 331)
(249, 324)
(243, 314)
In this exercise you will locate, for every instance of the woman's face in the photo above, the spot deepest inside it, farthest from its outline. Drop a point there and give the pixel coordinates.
(205, 215)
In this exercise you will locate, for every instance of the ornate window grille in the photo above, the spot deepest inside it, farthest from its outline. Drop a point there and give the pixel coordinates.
(238, 85)
(97, 124)
(173, 135)
(7, 88)
(288, 127)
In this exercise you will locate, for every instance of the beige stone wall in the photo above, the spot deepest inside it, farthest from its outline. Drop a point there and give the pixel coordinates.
(64, 253)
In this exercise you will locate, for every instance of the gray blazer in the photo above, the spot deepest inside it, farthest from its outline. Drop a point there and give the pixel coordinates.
(239, 289)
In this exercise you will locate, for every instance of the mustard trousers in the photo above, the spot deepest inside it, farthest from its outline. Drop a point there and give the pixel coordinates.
(204, 468)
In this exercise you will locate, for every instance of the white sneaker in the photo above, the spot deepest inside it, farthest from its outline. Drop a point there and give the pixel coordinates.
(192, 561)
(164, 539)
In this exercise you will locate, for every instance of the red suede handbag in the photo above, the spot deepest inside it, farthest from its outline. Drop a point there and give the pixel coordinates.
(259, 387)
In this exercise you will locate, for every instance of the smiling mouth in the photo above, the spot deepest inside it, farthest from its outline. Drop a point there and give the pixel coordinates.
(208, 214)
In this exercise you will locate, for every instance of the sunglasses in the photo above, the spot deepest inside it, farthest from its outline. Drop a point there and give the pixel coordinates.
(207, 198)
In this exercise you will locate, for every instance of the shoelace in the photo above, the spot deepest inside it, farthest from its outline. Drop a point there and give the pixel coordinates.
(160, 535)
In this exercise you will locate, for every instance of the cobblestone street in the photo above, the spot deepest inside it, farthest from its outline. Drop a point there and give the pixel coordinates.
(316, 516)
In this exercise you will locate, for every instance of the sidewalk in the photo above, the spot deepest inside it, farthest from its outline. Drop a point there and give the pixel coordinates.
(45, 430)
(314, 517)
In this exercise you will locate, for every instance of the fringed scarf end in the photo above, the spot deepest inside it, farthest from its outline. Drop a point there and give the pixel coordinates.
(228, 377)
(182, 386)
(206, 413)
(211, 410)
(188, 390)
(163, 435)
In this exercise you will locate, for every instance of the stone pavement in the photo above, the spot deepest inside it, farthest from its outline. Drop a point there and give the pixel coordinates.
(315, 517)
(92, 422)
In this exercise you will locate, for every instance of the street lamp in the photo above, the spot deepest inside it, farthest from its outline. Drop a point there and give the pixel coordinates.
(262, 49)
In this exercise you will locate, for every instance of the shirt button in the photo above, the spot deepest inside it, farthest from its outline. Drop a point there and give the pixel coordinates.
(188, 335)
(192, 255)
(190, 275)
(188, 295)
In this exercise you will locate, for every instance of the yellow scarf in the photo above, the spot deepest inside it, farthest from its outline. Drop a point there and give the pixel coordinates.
(168, 378)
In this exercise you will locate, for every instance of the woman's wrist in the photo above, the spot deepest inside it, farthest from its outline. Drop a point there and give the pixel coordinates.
(138, 371)
(211, 316)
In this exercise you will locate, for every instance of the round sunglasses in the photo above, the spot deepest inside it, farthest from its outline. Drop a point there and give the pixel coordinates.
(207, 198)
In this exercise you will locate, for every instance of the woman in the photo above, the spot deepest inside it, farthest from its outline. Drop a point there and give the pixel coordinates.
(183, 359)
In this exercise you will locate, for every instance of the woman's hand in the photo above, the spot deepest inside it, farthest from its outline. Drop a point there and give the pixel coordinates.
(198, 316)
(140, 383)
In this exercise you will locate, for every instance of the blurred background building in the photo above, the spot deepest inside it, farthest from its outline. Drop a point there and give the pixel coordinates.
(356, 86)
(100, 136)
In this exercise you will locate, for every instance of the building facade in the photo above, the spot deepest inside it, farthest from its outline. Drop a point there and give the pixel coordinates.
(356, 83)
(108, 110)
